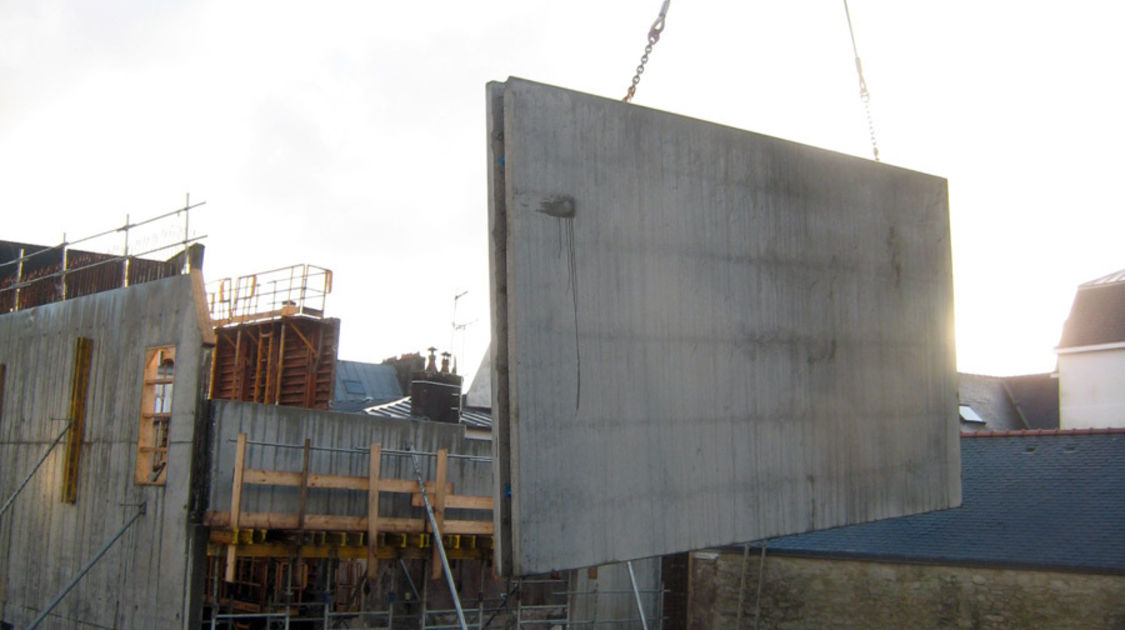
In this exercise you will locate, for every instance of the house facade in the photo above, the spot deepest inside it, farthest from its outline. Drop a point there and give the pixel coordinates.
(1091, 356)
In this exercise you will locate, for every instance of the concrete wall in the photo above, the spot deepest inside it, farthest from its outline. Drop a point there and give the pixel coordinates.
(278, 427)
(814, 593)
(705, 335)
(146, 580)
(1092, 389)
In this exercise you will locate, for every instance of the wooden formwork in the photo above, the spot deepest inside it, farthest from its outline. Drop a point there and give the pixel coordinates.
(285, 361)
(373, 537)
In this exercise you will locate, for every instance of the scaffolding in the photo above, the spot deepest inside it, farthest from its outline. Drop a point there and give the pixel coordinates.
(39, 275)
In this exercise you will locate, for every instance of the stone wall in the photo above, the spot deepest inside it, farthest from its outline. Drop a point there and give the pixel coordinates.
(821, 593)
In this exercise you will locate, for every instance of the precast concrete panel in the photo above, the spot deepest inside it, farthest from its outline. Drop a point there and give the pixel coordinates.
(152, 576)
(704, 335)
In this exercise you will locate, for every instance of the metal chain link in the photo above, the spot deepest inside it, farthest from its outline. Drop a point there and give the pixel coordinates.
(864, 95)
(653, 37)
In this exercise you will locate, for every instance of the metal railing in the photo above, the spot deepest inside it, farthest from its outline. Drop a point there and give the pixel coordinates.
(283, 292)
(50, 267)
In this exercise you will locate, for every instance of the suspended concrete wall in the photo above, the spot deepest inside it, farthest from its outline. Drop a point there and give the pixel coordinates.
(151, 577)
(704, 335)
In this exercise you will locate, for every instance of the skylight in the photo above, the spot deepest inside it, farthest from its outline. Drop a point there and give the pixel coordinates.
(968, 415)
(353, 387)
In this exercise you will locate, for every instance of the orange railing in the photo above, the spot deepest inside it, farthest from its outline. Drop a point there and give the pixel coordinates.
(284, 292)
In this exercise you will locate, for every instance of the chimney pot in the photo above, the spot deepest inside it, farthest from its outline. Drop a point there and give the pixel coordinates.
(431, 364)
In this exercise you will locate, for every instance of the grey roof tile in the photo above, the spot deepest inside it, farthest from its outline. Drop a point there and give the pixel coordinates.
(1047, 499)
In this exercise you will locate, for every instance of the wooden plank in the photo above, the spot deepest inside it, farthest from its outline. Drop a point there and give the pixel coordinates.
(303, 505)
(293, 479)
(457, 502)
(439, 513)
(326, 522)
(373, 512)
(234, 516)
(339, 482)
(79, 385)
(271, 477)
(284, 550)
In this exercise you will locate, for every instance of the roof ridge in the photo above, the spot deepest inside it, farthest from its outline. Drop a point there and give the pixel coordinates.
(1110, 278)
(1040, 432)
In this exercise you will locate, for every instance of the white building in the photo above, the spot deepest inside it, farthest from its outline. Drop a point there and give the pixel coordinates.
(1092, 356)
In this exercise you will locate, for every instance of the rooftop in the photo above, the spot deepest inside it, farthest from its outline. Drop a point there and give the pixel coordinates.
(1048, 499)
(1097, 315)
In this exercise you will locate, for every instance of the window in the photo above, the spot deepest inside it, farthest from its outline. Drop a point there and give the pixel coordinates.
(156, 415)
(354, 387)
(968, 414)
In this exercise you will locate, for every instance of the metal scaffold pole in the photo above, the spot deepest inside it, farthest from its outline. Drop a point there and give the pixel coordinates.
(438, 543)
(12, 499)
(637, 595)
(85, 569)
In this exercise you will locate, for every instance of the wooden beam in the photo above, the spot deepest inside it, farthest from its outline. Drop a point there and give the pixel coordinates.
(457, 501)
(373, 512)
(293, 479)
(309, 344)
(303, 506)
(234, 517)
(288, 550)
(332, 523)
(439, 513)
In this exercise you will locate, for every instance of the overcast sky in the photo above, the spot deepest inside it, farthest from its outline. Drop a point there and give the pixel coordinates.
(350, 135)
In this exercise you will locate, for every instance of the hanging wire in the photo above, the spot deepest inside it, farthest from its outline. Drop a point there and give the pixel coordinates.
(864, 95)
(653, 37)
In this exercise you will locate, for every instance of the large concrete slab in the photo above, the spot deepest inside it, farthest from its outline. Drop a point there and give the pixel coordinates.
(153, 576)
(705, 335)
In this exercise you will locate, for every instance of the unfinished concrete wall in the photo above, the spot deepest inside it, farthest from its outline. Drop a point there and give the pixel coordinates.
(822, 593)
(276, 437)
(149, 578)
(704, 335)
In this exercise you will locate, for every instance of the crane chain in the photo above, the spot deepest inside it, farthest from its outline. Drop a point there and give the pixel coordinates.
(653, 37)
(864, 95)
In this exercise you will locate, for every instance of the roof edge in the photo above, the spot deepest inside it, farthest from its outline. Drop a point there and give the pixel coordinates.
(1097, 347)
(1041, 432)
(927, 561)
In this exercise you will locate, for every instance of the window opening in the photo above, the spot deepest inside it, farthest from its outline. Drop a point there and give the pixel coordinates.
(156, 415)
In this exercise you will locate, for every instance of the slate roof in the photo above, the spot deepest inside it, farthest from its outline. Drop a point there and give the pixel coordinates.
(1036, 398)
(400, 410)
(988, 398)
(1035, 499)
(360, 385)
(1097, 315)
